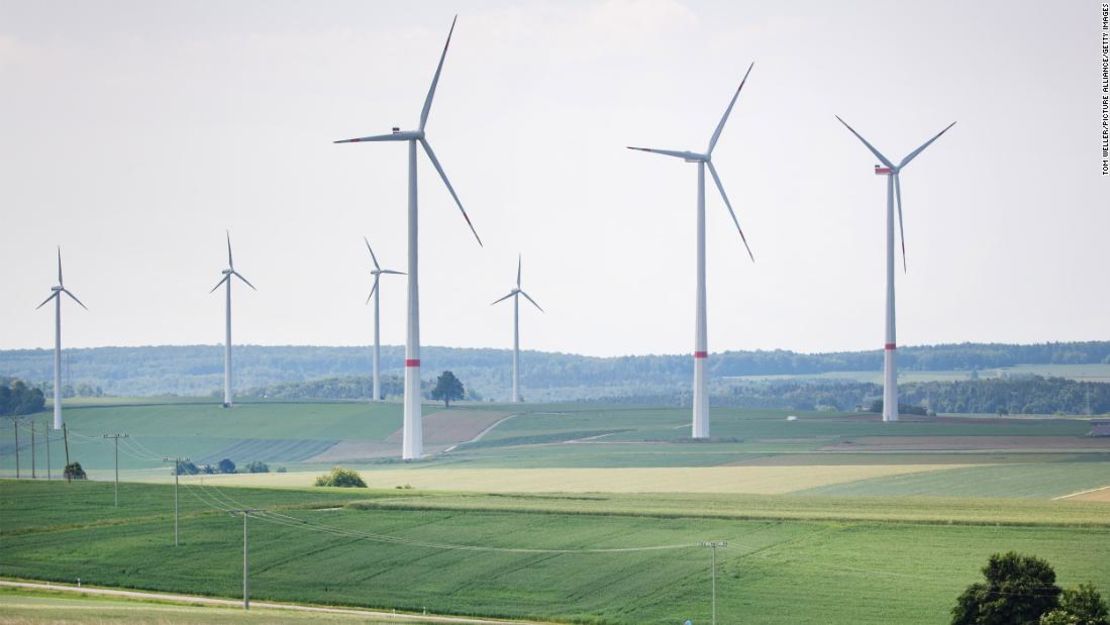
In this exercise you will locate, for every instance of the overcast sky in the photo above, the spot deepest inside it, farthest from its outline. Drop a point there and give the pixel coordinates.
(134, 133)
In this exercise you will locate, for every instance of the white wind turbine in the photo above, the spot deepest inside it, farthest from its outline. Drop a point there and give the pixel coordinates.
(893, 191)
(56, 295)
(515, 294)
(701, 350)
(412, 446)
(226, 281)
(377, 273)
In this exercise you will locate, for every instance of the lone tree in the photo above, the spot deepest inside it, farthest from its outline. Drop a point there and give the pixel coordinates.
(1018, 591)
(227, 466)
(447, 388)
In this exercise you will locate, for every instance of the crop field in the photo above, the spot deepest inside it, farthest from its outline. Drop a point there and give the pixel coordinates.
(1094, 372)
(535, 448)
(24, 607)
(591, 559)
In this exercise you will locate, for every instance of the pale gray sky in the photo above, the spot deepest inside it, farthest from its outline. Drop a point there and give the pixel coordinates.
(134, 133)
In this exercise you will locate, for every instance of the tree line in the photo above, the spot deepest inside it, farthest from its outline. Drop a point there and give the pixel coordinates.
(198, 370)
(16, 398)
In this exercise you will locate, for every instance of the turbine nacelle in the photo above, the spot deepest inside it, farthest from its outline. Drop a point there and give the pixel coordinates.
(57, 288)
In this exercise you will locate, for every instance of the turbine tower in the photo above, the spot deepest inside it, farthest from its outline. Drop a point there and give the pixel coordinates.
(515, 294)
(704, 161)
(56, 295)
(226, 281)
(893, 191)
(377, 273)
(412, 446)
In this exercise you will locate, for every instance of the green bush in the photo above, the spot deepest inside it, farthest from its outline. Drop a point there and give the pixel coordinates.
(341, 477)
(73, 471)
(257, 467)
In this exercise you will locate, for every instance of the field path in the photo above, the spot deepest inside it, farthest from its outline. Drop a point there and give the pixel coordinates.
(213, 601)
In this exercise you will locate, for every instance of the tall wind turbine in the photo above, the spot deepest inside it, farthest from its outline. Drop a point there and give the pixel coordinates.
(701, 349)
(56, 295)
(412, 446)
(893, 191)
(515, 294)
(377, 273)
(226, 281)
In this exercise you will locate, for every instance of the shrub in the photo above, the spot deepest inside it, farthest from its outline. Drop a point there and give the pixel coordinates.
(73, 471)
(226, 466)
(257, 467)
(341, 477)
(281, 469)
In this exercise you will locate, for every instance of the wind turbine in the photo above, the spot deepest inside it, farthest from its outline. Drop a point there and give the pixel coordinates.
(377, 273)
(701, 350)
(56, 295)
(412, 446)
(515, 294)
(226, 281)
(893, 190)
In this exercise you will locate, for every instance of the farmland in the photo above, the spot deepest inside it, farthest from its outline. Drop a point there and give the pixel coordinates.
(456, 554)
(569, 512)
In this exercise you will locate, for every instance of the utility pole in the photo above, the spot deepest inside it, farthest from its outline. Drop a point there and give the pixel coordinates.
(176, 472)
(65, 438)
(15, 426)
(33, 449)
(116, 437)
(713, 546)
(246, 562)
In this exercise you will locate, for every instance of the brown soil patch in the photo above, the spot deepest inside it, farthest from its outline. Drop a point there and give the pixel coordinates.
(968, 443)
(453, 426)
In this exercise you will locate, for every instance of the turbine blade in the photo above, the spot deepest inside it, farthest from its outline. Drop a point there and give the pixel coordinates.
(372, 256)
(392, 271)
(518, 271)
(494, 301)
(674, 153)
(721, 188)
(435, 162)
(389, 137)
(435, 78)
(901, 228)
(240, 276)
(724, 118)
(230, 264)
(222, 280)
(913, 155)
(877, 154)
(60, 265)
(75, 298)
(52, 296)
(527, 297)
(373, 290)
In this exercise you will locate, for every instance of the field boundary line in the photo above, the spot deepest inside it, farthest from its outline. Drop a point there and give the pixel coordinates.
(271, 605)
(489, 428)
(1081, 492)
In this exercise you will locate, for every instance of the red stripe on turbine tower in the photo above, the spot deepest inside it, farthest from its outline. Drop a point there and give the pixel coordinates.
(412, 362)
(701, 354)
(889, 346)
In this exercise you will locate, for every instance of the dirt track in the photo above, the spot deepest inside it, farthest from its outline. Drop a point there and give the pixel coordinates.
(268, 605)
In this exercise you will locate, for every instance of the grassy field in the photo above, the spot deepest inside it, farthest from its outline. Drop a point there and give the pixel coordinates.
(577, 447)
(30, 607)
(537, 556)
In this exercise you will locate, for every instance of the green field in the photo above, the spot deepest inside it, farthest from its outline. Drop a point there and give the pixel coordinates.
(756, 451)
(460, 554)
(33, 607)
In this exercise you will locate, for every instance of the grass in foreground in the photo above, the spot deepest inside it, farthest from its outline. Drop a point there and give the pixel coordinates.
(26, 607)
(457, 554)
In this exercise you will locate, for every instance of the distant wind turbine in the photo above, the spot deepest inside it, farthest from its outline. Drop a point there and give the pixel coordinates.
(515, 294)
(377, 273)
(56, 295)
(226, 281)
(893, 190)
(701, 349)
(412, 445)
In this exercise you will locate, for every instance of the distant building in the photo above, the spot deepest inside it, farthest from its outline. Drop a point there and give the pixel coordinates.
(1100, 427)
